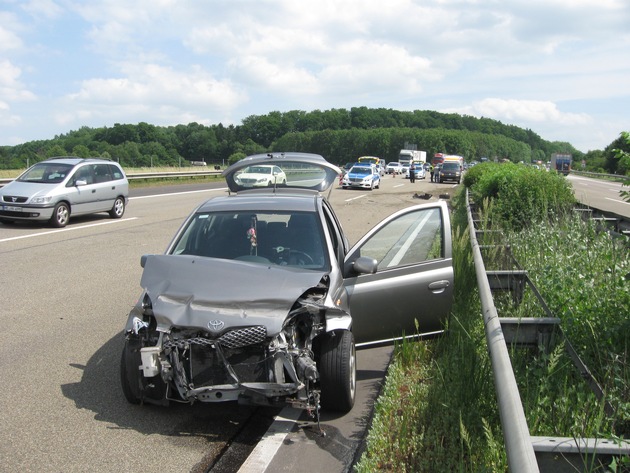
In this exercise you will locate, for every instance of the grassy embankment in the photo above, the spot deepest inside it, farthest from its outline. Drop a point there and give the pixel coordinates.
(438, 408)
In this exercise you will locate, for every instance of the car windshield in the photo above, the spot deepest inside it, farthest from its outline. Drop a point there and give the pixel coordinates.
(450, 166)
(362, 170)
(46, 173)
(279, 238)
(258, 170)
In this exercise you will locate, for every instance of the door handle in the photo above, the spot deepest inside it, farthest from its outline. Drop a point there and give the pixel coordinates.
(439, 286)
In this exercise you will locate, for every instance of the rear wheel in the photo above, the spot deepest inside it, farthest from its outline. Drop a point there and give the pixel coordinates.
(338, 374)
(61, 215)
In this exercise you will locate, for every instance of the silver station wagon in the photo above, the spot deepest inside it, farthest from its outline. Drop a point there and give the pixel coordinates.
(259, 298)
(57, 188)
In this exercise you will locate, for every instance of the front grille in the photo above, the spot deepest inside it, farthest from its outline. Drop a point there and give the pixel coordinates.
(237, 338)
(243, 337)
(13, 199)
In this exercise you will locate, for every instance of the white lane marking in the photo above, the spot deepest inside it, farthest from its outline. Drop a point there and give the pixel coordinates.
(620, 201)
(261, 456)
(68, 229)
(355, 198)
(398, 185)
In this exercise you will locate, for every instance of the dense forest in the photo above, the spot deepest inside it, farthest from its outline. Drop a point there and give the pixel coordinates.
(339, 135)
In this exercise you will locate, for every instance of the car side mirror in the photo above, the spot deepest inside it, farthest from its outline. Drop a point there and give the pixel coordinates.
(365, 265)
(80, 182)
(143, 260)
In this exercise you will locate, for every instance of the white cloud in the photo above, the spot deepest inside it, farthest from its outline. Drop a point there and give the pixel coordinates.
(152, 93)
(11, 89)
(9, 40)
(42, 8)
(529, 111)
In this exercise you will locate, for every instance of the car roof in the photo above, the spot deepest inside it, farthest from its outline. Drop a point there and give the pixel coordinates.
(282, 200)
(303, 170)
(74, 160)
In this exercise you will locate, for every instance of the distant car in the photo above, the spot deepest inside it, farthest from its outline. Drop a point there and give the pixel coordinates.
(364, 176)
(420, 172)
(259, 298)
(393, 168)
(262, 175)
(54, 189)
(450, 171)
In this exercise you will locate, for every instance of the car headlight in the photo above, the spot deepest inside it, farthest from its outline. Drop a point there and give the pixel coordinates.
(41, 200)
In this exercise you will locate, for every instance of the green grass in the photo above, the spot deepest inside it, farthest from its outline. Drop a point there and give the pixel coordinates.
(438, 408)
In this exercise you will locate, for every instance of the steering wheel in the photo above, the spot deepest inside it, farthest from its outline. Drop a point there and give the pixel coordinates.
(299, 258)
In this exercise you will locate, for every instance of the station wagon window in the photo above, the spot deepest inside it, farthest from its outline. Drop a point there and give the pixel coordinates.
(410, 239)
(115, 172)
(46, 173)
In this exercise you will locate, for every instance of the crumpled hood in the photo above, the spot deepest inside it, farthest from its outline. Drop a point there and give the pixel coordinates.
(190, 291)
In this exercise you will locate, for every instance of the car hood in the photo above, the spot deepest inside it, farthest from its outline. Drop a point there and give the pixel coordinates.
(27, 189)
(191, 291)
(302, 170)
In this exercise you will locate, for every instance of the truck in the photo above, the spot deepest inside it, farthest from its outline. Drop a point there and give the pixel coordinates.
(440, 158)
(561, 163)
(407, 156)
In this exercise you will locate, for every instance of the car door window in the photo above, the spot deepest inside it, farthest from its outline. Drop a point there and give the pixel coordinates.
(411, 238)
(115, 172)
(102, 173)
(411, 292)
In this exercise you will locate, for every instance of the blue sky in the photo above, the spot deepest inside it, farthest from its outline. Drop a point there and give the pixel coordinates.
(558, 67)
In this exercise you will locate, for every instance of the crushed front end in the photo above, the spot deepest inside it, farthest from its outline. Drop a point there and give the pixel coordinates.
(180, 347)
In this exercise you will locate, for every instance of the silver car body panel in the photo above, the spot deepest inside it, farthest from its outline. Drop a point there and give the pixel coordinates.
(190, 291)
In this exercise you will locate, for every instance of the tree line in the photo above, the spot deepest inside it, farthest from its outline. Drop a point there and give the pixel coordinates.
(340, 135)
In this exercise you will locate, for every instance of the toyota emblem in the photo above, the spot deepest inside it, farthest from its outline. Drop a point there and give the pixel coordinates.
(215, 325)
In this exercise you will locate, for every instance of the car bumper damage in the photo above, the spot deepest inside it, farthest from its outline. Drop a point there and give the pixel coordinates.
(180, 347)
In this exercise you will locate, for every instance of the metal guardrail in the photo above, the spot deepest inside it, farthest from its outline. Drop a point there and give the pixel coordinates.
(518, 444)
(527, 453)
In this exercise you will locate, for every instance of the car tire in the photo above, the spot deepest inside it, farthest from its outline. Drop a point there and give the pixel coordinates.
(118, 210)
(60, 216)
(130, 362)
(136, 387)
(337, 371)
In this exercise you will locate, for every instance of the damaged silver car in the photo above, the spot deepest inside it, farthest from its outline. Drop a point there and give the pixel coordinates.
(259, 298)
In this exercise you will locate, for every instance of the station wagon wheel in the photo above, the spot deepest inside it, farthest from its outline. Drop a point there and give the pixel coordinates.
(337, 371)
(118, 209)
(61, 215)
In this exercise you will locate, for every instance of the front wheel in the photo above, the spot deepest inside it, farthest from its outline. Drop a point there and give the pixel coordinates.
(118, 209)
(60, 216)
(338, 371)
(135, 386)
